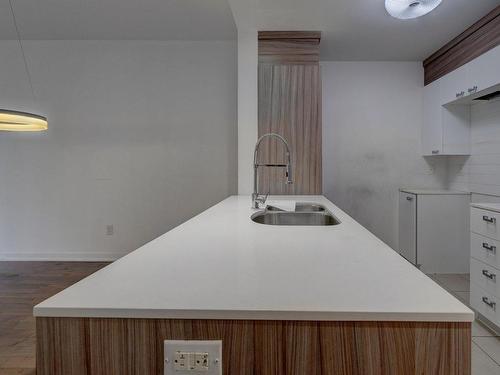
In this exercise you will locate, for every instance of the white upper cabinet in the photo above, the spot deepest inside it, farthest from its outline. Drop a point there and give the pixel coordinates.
(432, 130)
(445, 129)
(456, 130)
(454, 85)
(485, 71)
(464, 84)
(446, 119)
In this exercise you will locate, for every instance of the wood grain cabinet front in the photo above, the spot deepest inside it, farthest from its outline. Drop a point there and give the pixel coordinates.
(92, 346)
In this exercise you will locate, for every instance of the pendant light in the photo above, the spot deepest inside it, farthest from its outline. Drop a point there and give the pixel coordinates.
(21, 121)
(407, 9)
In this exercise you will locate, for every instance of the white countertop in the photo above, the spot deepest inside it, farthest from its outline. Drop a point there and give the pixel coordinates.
(222, 265)
(487, 206)
(433, 191)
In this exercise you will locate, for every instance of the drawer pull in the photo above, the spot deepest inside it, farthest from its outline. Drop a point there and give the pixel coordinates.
(489, 303)
(489, 275)
(489, 219)
(491, 248)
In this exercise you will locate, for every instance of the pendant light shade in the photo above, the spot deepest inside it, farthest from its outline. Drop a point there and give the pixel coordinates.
(15, 121)
(21, 121)
(406, 9)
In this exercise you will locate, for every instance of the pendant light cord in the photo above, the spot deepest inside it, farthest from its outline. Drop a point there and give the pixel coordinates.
(22, 50)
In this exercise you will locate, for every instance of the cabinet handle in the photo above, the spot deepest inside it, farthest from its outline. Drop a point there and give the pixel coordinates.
(491, 248)
(409, 198)
(460, 94)
(489, 303)
(435, 152)
(489, 219)
(472, 90)
(489, 275)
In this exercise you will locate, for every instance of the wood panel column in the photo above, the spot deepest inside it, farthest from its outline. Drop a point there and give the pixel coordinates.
(290, 105)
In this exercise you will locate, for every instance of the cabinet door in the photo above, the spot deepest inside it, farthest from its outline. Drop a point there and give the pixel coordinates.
(484, 71)
(408, 226)
(432, 130)
(443, 234)
(456, 129)
(454, 85)
(290, 105)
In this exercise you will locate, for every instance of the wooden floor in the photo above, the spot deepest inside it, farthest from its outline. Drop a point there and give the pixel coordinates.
(22, 286)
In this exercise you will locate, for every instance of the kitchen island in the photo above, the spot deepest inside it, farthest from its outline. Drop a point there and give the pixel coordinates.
(283, 299)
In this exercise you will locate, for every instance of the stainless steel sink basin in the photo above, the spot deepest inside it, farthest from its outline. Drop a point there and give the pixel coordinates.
(302, 207)
(304, 214)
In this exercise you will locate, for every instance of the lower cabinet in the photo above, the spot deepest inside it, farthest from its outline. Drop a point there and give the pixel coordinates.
(485, 262)
(434, 229)
(485, 303)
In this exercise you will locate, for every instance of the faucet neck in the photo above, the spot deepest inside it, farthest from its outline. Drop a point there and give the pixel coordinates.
(256, 198)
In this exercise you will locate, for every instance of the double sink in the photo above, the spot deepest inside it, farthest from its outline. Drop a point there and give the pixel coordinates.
(311, 214)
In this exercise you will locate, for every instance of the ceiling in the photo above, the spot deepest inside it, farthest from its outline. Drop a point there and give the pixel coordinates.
(352, 29)
(118, 19)
(362, 29)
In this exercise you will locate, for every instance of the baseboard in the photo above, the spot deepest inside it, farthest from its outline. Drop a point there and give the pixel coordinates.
(61, 257)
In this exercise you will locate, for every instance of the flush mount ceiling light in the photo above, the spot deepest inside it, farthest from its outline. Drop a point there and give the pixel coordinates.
(16, 121)
(21, 121)
(406, 9)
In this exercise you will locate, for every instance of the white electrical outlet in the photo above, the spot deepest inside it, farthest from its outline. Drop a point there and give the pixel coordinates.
(192, 361)
(110, 230)
(181, 360)
(193, 356)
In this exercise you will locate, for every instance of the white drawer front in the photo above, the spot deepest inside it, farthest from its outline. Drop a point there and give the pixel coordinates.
(485, 249)
(485, 276)
(484, 303)
(485, 222)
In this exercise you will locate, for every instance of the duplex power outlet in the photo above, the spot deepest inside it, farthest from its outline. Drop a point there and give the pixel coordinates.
(191, 361)
(193, 357)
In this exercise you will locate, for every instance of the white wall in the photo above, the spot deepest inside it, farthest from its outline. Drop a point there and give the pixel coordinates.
(480, 172)
(372, 113)
(142, 135)
(247, 107)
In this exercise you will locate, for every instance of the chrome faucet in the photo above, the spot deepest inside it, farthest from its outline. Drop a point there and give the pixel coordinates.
(258, 199)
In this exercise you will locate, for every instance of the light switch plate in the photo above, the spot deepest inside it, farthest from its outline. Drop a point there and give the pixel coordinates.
(191, 355)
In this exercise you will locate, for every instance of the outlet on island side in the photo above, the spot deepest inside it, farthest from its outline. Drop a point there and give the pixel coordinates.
(193, 357)
(110, 230)
(191, 361)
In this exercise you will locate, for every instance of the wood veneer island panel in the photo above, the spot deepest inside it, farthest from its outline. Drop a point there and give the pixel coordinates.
(95, 346)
